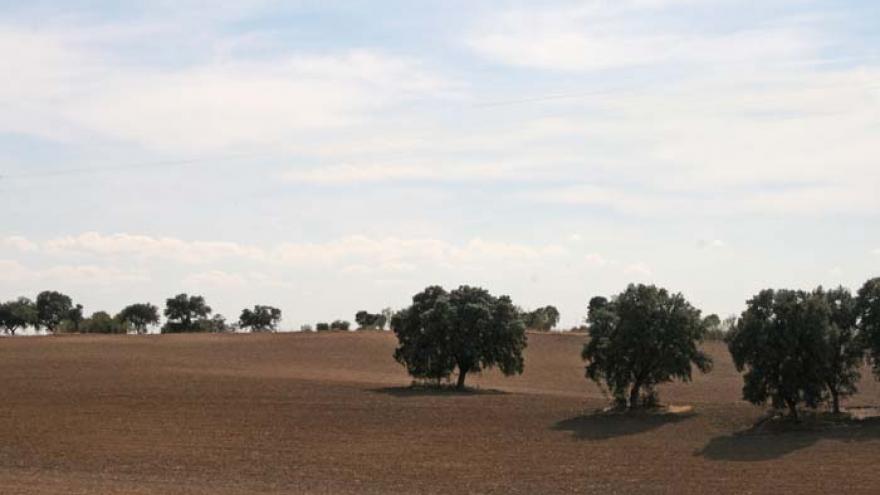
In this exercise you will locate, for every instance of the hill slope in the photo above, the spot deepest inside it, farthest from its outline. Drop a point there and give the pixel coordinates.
(328, 413)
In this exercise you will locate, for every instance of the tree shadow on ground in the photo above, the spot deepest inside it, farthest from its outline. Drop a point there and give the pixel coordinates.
(759, 443)
(422, 391)
(603, 425)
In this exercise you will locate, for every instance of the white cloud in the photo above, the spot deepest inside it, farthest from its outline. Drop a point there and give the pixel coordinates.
(393, 253)
(595, 260)
(215, 279)
(638, 270)
(370, 173)
(141, 246)
(711, 244)
(596, 36)
(19, 243)
(15, 272)
(57, 86)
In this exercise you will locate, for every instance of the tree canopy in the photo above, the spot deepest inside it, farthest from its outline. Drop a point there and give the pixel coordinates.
(102, 322)
(139, 316)
(186, 313)
(779, 342)
(52, 308)
(640, 338)
(466, 329)
(368, 320)
(260, 319)
(868, 319)
(544, 319)
(340, 325)
(842, 346)
(17, 314)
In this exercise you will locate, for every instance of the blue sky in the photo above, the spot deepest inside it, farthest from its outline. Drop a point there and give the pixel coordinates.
(326, 157)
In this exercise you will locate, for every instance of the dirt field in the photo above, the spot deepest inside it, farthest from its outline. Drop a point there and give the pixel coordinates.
(328, 413)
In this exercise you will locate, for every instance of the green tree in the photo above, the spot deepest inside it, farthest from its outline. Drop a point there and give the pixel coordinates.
(712, 324)
(52, 308)
(139, 316)
(543, 319)
(214, 324)
(75, 317)
(102, 322)
(186, 313)
(18, 314)
(260, 319)
(367, 320)
(844, 350)
(868, 318)
(642, 337)
(322, 327)
(780, 342)
(340, 325)
(467, 329)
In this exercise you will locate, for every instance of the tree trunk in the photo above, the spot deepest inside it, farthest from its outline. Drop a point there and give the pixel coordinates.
(462, 373)
(792, 409)
(835, 400)
(634, 395)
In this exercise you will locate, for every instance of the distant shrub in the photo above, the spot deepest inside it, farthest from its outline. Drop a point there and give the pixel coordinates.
(322, 327)
(187, 313)
(260, 319)
(543, 319)
(340, 325)
(370, 321)
(306, 328)
(102, 322)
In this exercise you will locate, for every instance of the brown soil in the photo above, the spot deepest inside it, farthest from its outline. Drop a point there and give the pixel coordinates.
(331, 413)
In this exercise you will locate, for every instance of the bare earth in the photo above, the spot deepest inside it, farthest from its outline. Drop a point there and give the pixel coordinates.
(329, 413)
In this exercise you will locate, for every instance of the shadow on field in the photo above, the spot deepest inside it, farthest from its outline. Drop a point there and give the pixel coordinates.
(603, 425)
(753, 445)
(417, 391)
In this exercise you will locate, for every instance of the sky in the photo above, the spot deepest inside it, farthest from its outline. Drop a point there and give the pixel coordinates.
(330, 156)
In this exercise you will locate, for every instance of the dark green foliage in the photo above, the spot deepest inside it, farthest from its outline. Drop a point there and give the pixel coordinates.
(139, 316)
(367, 320)
(712, 326)
(467, 329)
(844, 350)
(75, 317)
(868, 317)
(640, 338)
(102, 322)
(186, 314)
(779, 341)
(340, 325)
(52, 308)
(543, 319)
(260, 319)
(18, 314)
(322, 327)
(214, 324)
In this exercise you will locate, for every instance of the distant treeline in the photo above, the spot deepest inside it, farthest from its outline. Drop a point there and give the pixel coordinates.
(55, 312)
(794, 347)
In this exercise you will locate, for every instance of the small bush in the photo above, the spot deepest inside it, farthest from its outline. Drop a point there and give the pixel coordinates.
(340, 325)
